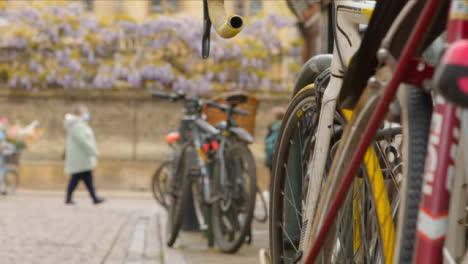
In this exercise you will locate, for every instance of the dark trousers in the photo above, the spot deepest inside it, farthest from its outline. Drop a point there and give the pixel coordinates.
(87, 177)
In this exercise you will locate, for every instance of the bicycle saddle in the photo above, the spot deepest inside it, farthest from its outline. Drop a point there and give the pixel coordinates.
(236, 99)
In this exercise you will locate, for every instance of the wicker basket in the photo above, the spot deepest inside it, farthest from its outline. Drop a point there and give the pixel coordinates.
(247, 122)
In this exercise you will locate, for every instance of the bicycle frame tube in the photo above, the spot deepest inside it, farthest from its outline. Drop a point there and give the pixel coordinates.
(440, 161)
(350, 15)
(201, 162)
(382, 107)
(438, 178)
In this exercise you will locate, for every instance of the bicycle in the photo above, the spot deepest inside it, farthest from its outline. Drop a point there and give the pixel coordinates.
(224, 197)
(234, 159)
(317, 222)
(321, 95)
(8, 174)
(161, 177)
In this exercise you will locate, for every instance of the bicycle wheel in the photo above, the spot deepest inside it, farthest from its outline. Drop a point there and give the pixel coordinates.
(289, 190)
(159, 183)
(366, 234)
(233, 212)
(178, 194)
(262, 215)
(9, 183)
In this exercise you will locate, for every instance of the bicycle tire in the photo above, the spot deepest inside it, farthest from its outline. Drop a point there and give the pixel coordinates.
(227, 243)
(302, 105)
(9, 182)
(264, 206)
(158, 192)
(181, 185)
(416, 121)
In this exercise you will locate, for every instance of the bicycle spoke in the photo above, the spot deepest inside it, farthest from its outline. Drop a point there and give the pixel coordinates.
(288, 237)
(291, 203)
(294, 201)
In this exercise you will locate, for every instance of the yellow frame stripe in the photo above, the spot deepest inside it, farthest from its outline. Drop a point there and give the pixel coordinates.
(382, 202)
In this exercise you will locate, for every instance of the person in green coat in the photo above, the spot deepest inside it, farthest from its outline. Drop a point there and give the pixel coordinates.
(80, 152)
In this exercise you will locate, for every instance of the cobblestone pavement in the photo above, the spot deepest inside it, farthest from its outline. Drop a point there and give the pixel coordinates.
(37, 228)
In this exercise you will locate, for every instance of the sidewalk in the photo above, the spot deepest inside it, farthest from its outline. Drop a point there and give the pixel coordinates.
(37, 227)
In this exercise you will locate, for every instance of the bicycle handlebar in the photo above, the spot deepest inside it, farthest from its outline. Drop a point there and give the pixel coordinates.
(167, 96)
(178, 96)
(226, 108)
(227, 26)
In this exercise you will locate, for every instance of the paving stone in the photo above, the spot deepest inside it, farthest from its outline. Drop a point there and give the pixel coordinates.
(41, 229)
(38, 228)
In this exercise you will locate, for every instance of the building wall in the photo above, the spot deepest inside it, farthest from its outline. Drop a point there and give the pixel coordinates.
(130, 133)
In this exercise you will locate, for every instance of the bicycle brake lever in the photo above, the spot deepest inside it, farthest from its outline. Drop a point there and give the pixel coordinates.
(206, 31)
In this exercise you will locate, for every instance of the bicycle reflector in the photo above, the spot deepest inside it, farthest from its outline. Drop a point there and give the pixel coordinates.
(214, 145)
(206, 147)
(172, 137)
(451, 77)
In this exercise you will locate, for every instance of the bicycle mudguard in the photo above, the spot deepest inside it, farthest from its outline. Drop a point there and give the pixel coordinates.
(242, 134)
(310, 70)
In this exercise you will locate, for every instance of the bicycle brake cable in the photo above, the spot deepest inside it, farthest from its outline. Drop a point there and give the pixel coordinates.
(334, 23)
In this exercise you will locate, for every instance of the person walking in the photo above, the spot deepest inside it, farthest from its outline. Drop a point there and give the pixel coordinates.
(80, 152)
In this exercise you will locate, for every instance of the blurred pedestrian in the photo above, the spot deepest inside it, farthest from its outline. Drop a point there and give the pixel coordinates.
(80, 152)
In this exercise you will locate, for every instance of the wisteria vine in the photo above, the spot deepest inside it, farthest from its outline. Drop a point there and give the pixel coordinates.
(66, 47)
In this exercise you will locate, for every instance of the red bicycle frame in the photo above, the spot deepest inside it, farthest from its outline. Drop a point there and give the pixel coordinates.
(440, 161)
(434, 204)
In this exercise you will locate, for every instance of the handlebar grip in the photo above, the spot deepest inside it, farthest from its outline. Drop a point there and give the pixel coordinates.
(162, 95)
(226, 26)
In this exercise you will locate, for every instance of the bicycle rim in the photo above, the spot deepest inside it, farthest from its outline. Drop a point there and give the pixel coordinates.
(158, 183)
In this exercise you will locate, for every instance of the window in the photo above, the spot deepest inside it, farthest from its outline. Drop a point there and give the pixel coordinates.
(88, 4)
(248, 8)
(255, 7)
(172, 5)
(157, 6)
(161, 6)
